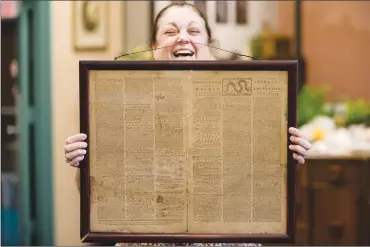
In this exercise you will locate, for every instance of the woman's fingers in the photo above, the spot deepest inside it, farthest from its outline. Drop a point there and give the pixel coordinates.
(76, 161)
(298, 149)
(296, 132)
(74, 146)
(76, 138)
(75, 153)
(302, 142)
(302, 145)
(74, 149)
(300, 160)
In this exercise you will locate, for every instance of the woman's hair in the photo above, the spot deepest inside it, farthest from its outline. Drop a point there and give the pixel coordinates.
(160, 14)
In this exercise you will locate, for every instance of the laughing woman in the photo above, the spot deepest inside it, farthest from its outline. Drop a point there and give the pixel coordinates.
(182, 29)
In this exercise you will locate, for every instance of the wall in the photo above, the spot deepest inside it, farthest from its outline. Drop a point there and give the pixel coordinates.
(336, 44)
(137, 29)
(65, 95)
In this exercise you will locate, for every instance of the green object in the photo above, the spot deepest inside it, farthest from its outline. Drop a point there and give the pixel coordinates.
(24, 121)
(358, 112)
(311, 102)
(35, 150)
(256, 47)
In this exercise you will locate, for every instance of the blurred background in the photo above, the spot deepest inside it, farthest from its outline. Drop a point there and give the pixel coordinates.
(42, 42)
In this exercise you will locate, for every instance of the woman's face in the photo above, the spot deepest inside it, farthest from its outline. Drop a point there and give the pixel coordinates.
(181, 28)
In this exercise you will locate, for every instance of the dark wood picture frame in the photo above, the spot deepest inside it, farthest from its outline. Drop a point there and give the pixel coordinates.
(202, 6)
(222, 15)
(102, 237)
(241, 9)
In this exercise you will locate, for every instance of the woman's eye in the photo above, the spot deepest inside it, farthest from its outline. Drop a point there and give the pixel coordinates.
(194, 31)
(171, 32)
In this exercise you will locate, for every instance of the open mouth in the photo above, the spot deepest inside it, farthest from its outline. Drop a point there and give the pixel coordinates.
(183, 53)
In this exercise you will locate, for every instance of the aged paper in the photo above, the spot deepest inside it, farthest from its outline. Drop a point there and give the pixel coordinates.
(188, 151)
(237, 163)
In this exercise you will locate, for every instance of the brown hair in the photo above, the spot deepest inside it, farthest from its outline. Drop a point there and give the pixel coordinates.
(201, 14)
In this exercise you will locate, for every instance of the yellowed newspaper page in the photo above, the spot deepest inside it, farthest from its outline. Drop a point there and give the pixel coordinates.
(137, 151)
(237, 146)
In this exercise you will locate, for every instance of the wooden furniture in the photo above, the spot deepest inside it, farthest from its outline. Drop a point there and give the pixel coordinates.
(333, 201)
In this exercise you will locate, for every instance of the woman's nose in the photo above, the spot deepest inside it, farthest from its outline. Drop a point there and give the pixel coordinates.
(183, 38)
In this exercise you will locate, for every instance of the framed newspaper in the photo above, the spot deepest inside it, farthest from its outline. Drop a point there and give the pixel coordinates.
(188, 151)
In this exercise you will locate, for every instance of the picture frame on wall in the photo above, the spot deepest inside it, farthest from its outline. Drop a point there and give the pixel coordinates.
(201, 5)
(222, 12)
(241, 9)
(90, 25)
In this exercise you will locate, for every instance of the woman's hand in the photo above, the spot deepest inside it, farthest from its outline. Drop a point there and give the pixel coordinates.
(74, 149)
(300, 145)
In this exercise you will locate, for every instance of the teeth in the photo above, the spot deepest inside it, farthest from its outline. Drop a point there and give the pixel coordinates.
(183, 53)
